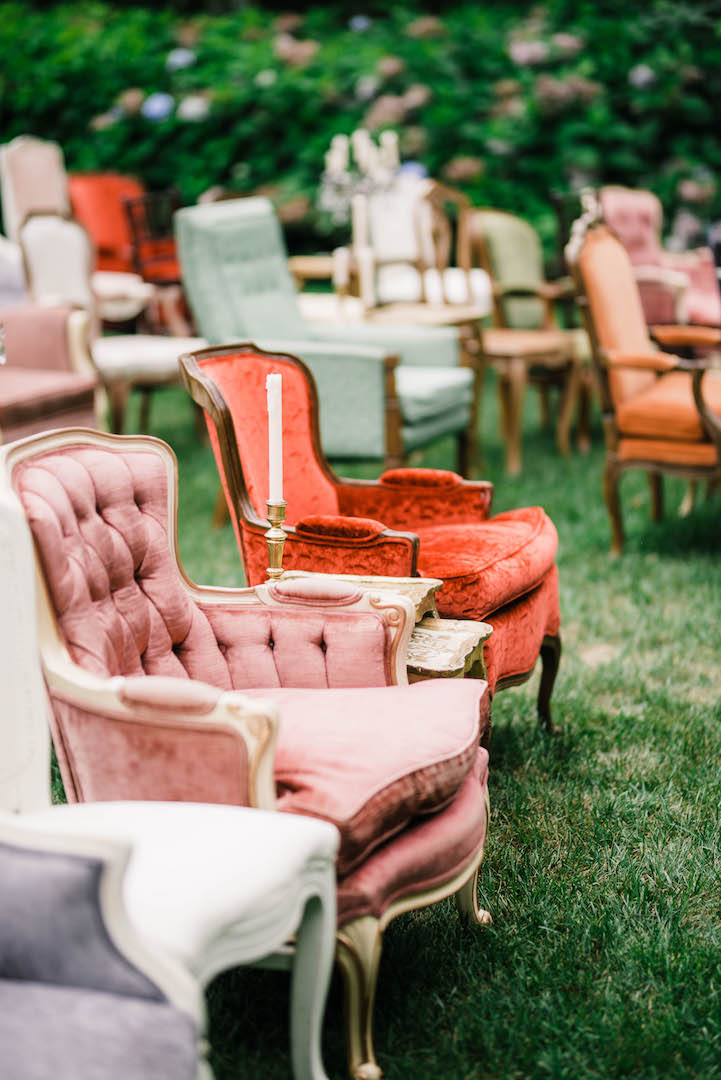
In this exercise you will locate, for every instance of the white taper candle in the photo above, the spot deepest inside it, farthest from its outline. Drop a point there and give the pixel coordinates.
(274, 389)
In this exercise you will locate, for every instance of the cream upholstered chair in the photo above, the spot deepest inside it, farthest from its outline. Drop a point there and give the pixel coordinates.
(125, 636)
(211, 887)
(661, 413)
(33, 180)
(58, 257)
(82, 992)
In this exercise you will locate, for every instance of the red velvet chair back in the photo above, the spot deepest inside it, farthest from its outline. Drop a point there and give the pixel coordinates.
(97, 203)
(240, 377)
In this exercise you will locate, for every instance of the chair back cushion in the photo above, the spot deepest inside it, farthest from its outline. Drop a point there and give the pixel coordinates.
(240, 377)
(59, 260)
(34, 181)
(235, 272)
(97, 202)
(515, 257)
(615, 307)
(37, 337)
(636, 218)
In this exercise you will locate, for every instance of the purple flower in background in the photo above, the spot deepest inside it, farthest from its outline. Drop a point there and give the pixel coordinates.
(528, 53)
(157, 106)
(360, 23)
(413, 168)
(641, 76)
(179, 58)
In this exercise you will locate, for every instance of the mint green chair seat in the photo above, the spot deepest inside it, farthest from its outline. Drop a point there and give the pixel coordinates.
(383, 391)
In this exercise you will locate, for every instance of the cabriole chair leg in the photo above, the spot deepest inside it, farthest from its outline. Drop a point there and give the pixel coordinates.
(467, 903)
(358, 953)
(310, 975)
(550, 659)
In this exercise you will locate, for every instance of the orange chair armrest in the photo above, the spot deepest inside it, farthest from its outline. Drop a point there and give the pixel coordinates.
(698, 337)
(650, 361)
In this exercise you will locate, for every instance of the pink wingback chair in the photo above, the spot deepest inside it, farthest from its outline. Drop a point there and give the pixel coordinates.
(126, 638)
(636, 216)
(411, 522)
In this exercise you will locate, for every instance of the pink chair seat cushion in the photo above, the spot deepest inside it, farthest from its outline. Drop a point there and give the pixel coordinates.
(487, 564)
(29, 393)
(429, 853)
(334, 759)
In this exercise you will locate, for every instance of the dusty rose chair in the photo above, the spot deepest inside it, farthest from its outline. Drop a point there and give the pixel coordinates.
(48, 379)
(673, 286)
(500, 569)
(661, 413)
(125, 636)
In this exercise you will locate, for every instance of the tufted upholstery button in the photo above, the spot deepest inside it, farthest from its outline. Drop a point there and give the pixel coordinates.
(323, 646)
(271, 643)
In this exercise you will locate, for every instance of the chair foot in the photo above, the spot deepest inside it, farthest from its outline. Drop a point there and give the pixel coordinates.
(358, 952)
(467, 903)
(550, 659)
(689, 500)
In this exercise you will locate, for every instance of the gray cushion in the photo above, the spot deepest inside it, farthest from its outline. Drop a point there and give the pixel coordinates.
(62, 1033)
(425, 392)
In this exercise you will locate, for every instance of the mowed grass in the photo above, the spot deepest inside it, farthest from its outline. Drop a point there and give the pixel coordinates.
(603, 865)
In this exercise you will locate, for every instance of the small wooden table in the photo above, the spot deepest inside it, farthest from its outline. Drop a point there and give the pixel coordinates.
(438, 648)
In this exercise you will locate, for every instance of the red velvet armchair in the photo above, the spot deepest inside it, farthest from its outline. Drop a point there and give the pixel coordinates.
(303, 706)
(411, 522)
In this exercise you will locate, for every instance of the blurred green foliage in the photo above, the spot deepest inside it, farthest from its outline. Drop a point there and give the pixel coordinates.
(519, 99)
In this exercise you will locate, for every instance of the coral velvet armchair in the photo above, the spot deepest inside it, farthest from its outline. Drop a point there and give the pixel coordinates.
(661, 413)
(125, 636)
(412, 521)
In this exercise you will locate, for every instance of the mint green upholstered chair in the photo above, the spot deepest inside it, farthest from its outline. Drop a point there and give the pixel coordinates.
(383, 391)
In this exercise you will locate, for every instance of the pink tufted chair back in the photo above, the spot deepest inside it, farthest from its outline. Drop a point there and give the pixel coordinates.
(636, 218)
(102, 527)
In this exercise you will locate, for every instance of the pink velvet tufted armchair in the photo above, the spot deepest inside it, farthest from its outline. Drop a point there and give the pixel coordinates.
(126, 639)
(411, 522)
(673, 286)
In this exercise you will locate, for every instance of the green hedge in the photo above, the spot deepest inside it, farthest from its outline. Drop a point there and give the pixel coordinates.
(507, 101)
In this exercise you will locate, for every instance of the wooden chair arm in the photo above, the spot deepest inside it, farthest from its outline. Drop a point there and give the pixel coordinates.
(696, 337)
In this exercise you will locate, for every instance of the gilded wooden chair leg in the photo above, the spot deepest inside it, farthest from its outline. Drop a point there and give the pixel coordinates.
(358, 953)
(550, 659)
(309, 984)
(467, 903)
(613, 504)
(689, 499)
(517, 374)
(655, 484)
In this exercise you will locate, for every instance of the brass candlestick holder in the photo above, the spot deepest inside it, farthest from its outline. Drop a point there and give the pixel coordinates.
(276, 538)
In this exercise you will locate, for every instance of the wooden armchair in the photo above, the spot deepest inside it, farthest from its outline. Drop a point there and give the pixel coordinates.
(412, 521)
(125, 637)
(661, 413)
(525, 343)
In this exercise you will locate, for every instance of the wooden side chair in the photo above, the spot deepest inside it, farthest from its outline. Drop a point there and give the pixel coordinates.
(125, 640)
(430, 522)
(525, 343)
(661, 413)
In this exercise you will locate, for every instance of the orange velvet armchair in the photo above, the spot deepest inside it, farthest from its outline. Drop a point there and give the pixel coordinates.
(661, 413)
(411, 522)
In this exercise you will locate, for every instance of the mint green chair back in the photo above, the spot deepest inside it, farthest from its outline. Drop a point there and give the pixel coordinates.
(514, 258)
(235, 270)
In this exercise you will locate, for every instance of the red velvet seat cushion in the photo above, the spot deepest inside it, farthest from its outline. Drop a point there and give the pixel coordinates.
(667, 410)
(488, 564)
(426, 855)
(334, 759)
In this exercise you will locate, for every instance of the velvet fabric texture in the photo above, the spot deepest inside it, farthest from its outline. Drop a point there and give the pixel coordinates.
(345, 528)
(484, 569)
(427, 853)
(519, 629)
(334, 759)
(36, 400)
(37, 337)
(410, 505)
(669, 453)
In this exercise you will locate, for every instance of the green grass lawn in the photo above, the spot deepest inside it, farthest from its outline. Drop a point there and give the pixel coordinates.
(603, 866)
